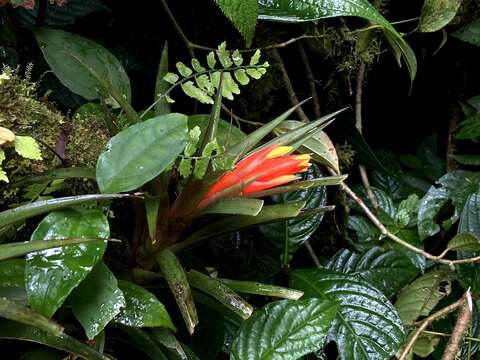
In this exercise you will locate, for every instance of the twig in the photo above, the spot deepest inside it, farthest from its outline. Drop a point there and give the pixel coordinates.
(461, 326)
(359, 125)
(238, 118)
(311, 80)
(312, 254)
(178, 29)
(428, 332)
(426, 322)
(289, 87)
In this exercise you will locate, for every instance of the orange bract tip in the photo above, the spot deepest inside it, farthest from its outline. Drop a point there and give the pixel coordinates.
(279, 151)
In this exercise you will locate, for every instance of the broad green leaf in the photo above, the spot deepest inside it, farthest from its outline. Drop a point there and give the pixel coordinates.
(17, 331)
(51, 275)
(437, 13)
(319, 144)
(465, 242)
(243, 15)
(367, 235)
(406, 214)
(142, 308)
(284, 329)
(179, 286)
(227, 133)
(367, 326)
(169, 342)
(469, 274)
(286, 237)
(162, 107)
(12, 273)
(469, 128)
(311, 10)
(27, 147)
(425, 345)
(236, 206)
(141, 152)
(470, 159)
(63, 50)
(454, 187)
(14, 311)
(97, 300)
(470, 33)
(24, 212)
(387, 270)
(421, 296)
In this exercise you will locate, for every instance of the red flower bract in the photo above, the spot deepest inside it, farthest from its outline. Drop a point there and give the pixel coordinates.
(264, 169)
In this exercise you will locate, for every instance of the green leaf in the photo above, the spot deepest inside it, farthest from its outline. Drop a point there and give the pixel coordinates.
(236, 206)
(465, 242)
(191, 90)
(51, 275)
(437, 13)
(319, 144)
(469, 128)
(367, 326)
(387, 270)
(421, 296)
(141, 152)
(454, 187)
(183, 69)
(24, 212)
(171, 78)
(406, 215)
(255, 57)
(63, 50)
(222, 293)
(168, 341)
(286, 237)
(12, 273)
(16, 331)
(145, 342)
(162, 107)
(249, 287)
(367, 235)
(243, 15)
(27, 147)
(211, 61)
(14, 311)
(177, 282)
(311, 10)
(284, 330)
(142, 308)
(470, 33)
(224, 55)
(241, 76)
(471, 159)
(226, 133)
(97, 300)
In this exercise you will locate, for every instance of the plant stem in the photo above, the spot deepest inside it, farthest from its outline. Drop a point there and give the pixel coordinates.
(178, 29)
(311, 80)
(426, 322)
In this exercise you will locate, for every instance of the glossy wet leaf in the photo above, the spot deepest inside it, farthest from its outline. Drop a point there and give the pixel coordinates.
(367, 326)
(284, 330)
(51, 275)
(437, 13)
(286, 237)
(454, 188)
(243, 15)
(142, 308)
(169, 342)
(421, 296)
(68, 55)
(23, 212)
(311, 10)
(387, 270)
(97, 300)
(464, 242)
(367, 235)
(141, 152)
(17, 331)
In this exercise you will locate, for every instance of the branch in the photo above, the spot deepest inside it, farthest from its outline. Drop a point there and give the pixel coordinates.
(178, 29)
(426, 322)
(461, 327)
(289, 87)
(311, 80)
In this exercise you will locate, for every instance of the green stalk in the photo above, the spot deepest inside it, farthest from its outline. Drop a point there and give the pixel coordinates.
(178, 283)
(250, 287)
(221, 292)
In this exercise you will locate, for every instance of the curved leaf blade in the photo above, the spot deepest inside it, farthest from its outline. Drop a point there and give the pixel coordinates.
(51, 275)
(141, 152)
(367, 326)
(243, 14)
(437, 14)
(284, 330)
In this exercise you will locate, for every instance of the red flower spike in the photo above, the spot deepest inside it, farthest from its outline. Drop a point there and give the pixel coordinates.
(272, 165)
